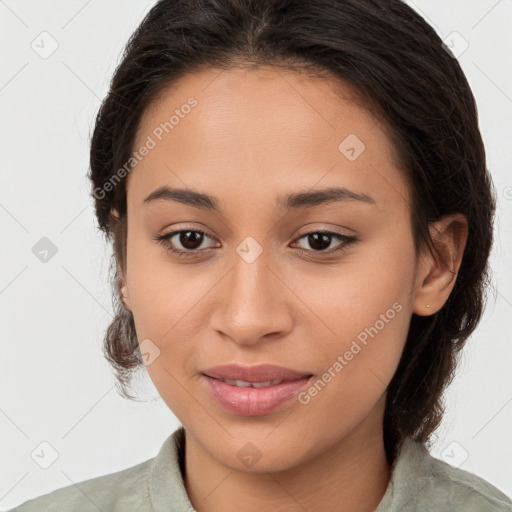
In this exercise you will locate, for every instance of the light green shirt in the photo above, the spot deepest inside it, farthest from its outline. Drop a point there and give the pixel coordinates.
(419, 482)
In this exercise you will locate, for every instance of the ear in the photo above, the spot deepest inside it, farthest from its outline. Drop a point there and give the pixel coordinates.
(123, 288)
(437, 270)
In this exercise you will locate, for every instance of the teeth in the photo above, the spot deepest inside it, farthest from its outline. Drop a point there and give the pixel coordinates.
(245, 384)
(265, 384)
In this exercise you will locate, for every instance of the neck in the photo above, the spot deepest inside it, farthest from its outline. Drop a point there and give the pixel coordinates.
(351, 476)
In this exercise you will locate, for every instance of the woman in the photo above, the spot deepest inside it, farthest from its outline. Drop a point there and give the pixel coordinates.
(298, 200)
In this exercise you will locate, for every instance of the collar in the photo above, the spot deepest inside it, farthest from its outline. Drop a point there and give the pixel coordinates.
(166, 485)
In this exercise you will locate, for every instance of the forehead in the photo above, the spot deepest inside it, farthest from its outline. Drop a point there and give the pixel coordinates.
(257, 131)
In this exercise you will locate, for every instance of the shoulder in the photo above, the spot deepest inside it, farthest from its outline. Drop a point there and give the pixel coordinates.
(428, 483)
(125, 490)
(466, 490)
(156, 482)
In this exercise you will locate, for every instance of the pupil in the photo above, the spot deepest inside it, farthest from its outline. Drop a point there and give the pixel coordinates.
(319, 241)
(189, 238)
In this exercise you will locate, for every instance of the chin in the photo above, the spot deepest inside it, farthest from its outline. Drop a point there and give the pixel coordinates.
(261, 455)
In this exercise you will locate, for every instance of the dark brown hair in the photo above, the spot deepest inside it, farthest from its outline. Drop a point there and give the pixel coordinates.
(391, 57)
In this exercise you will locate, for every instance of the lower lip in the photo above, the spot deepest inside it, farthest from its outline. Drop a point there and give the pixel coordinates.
(254, 401)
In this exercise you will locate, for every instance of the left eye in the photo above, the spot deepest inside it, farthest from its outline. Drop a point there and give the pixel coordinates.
(189, 239)
(320, 240)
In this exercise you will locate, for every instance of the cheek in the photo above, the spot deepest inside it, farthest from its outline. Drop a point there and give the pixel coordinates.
(165, 299)
(153, 286)
(366, 290)
(367, 309)
(358, 362)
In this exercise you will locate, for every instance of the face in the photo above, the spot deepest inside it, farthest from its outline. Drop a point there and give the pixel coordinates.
(322, 287)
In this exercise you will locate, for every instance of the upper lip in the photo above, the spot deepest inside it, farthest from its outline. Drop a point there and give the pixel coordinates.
(259, 373)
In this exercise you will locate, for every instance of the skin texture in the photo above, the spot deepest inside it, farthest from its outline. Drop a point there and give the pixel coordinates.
(253, 136)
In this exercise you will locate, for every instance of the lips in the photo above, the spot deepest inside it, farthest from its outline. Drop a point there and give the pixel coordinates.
(253, 390)
(267, 374)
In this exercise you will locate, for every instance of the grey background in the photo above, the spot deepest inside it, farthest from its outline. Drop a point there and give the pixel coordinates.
(55, 386)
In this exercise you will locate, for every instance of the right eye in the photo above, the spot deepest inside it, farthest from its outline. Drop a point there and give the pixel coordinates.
(186, 238)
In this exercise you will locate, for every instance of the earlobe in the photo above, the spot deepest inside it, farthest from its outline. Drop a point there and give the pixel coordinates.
(123, 289)
(437, 271)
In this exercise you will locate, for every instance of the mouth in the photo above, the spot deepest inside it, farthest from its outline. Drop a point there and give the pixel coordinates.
(249, 384)
(254, 391)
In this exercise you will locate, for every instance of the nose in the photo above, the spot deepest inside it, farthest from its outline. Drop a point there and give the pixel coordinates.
(254, 303)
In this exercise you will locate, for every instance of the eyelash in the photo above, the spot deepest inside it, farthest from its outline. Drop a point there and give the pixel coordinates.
(164, 240)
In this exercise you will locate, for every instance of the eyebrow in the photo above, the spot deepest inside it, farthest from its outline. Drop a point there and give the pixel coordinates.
(291, 202)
